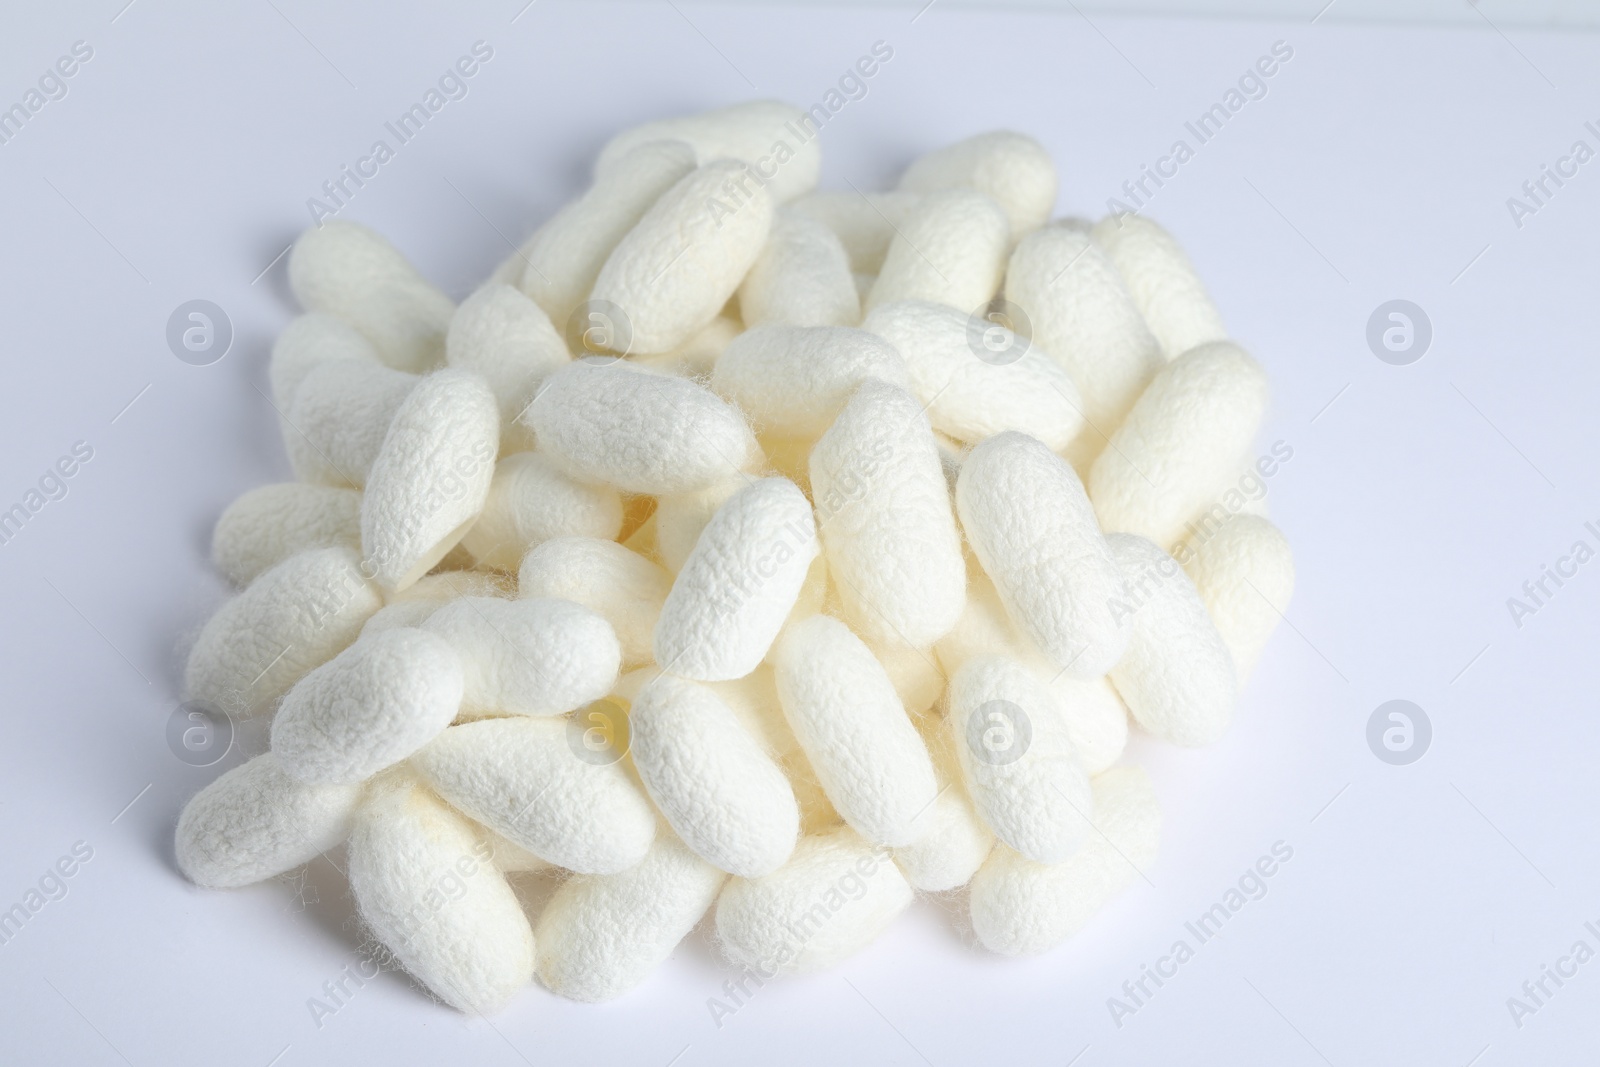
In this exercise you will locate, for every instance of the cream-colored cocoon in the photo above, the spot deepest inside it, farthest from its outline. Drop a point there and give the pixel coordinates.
(532, 501)
(951, 840)
(1012, 168)
(951, 249)
(309, 341)
(1245, 574)
(792, 380)
(751, 132)
(801, 278)
(341, 413)
(270, 523)
(506, 338)
(1162, 281)
(615, 583)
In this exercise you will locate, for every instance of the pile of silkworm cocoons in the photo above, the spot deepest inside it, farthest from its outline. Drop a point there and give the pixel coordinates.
(728, 557)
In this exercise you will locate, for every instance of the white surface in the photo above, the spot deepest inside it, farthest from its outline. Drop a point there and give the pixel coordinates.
(1418, 899)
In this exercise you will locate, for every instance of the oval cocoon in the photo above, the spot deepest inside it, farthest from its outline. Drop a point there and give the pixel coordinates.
(341, 413)
(1245, 574)
(802, 278)
(270, 523)
(794, 379)
(530, 501)
(309, 341)
(951, 249)
(615, 583)
(1012, 168)
(751, 131)
(1162, 281)
(506, 338)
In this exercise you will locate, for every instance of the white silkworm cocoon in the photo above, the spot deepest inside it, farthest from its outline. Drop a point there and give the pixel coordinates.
(1245, 574)
(1182, 444)
(772, 137)
(1094, 714)
(294, 617)
(619, 585)
(1031, 526)
(951, 841)
(754, 699)
(802, 278)
(849, 720)
(885, 519)
(739, 583)
(638, 430)
(532, 501)
(951, 249)
(368, 708)
(256, 822)
(676, 269)
(1012, 168)
(270, 523)
(341, 413)
(725, 797)
(506, 338)
(349, 271)
(977, 378)
(865, 223)
(1017, 759)
(1162, 281)
(431, 477)
(794, 379)
(525, 779)
(305, 344)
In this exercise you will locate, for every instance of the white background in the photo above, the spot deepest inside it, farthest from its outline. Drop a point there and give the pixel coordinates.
(1418, 500)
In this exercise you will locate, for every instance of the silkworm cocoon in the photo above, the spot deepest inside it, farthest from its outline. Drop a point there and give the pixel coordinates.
(1020, 907)
(675, 270)
(886, 522)
(431, 477)
(506, 338)
(295, 616)
(256, 822)
(951, 249)
(528, 657)
(737, 586)
(425, 883)
(1017, 759)
(270, 523)
(681, 516)
(1012, 168)
(522, 778)
(846, 715)
(638, 430)
(1182, 443)
(1082, 316)
(1163, 283)
(531, 501)
(560, 262)
(723, 795)
(794, 379)
(865, 223)
(967, 396)
(834, 897)
(341, 413)
(1095, 716)
(602, 935)
(351, 272)
(915, 673)
(772, 137)
(1177, 676)
(951, 840)
(754, 699)
(620, 586)
(1245, 574)
(1029, 523)
(306, 343)
(802, 278)
(368, 708)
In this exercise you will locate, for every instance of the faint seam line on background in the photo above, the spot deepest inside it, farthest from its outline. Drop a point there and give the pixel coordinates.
(1329, 404)
(130, 804)
(1469, 266)
(86, 1021)
(1102, 834)
(314, 48)
(96, 629)
(1479, 1056)
(885, 1018)
(509, 243)
(714, 48)
(1503, 837)
(896, 229)
(274, 263)
(507, 1040)
(1474, 5)
(1470, 662)
(1285, 1018)
(281, 1053)
(124, 10)
(1329, 804)
(1296, 229)
(1296, 629)
(1079, 1056)
(920, 13)
(679, 1056)
(130, 403)
(523, 11)
(93, 227)
(1323, 12)
(1108, 41)
(1503, 437)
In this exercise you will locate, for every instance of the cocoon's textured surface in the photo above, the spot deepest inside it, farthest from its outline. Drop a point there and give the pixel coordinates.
(506, 338)
(295, 616)
(638, 430)
(680, 517)
(306, 343)
(951, 249)
(349, 271)
(256, 822)
(1245, 574)
(414, 604)
(794, 379)
(1182, 444)
(341, 412)
(270, 523)
(534, 656)
(1020, 907)
(1029, 523)
(1012, 168)
(368, 708)
(620, 586)
(754, 699)
(1018, 760)
(531, 501)
(846, 715)
(865, 223)
(736, 588)
(522, 778)
(834, 897)
(886, 522)
(425, 883)
(676, 269)
(1177, 676)
(431, 476)
(969, 395)
(802, 277)
(1162, 282)
(727, 800)
(601, 935)
(1094, 714)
